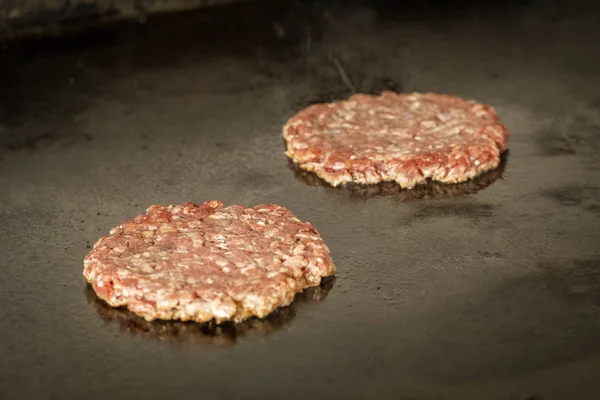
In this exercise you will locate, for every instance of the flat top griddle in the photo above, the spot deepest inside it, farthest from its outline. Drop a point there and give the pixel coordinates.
(490, 291)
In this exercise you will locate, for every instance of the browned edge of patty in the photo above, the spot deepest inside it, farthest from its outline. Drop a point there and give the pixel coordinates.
(431, 189)
(224, 334)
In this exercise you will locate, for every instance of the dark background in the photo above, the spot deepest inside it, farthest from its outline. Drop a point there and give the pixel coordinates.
(20, 18)
(441, 293)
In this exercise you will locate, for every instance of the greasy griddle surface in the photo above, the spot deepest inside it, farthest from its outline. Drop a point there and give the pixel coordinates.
(491, 293)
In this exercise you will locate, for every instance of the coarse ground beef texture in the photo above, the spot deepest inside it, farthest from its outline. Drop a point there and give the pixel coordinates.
(209, 262)
(406, 138)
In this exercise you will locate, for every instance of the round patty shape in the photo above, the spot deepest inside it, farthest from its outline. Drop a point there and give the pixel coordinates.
(406, 138)
(199, 263)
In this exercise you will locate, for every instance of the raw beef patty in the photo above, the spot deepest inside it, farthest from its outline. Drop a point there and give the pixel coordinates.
(199, 263)
(406, 138)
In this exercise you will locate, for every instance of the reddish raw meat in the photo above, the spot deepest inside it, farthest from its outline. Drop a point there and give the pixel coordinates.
(199, 263)
(406, 138)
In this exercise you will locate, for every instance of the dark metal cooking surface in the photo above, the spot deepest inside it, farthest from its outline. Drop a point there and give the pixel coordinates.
(490, 295)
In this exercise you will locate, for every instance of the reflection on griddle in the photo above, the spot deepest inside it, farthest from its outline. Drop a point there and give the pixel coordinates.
(428, 190)
(211, 333)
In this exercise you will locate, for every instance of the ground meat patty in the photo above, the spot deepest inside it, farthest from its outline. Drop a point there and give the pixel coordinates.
(407, 138)
(199, 263)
